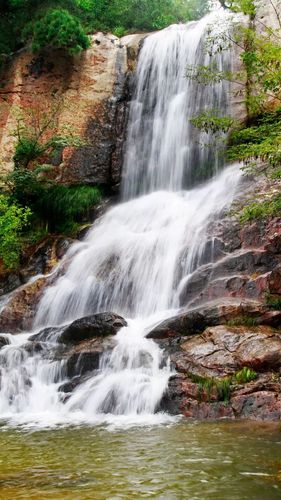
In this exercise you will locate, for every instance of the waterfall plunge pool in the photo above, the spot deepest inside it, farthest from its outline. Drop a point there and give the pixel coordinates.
(186, 460)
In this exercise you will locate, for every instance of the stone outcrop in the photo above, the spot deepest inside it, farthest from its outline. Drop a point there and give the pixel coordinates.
(18, 313)
(196, 320)
(239, 261)
(79, 345)
(207, 366)
(19, 308)
(93, 88)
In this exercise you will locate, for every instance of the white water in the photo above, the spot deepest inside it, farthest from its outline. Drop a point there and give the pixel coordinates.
(137, 257)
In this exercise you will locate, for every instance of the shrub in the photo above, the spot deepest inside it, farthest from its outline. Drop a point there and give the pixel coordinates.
(262, 209)
(27, 150)
(12, 221)
(60, 30)
(119, 31)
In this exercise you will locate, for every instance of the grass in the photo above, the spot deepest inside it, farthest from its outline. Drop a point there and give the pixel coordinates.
(273, 302)
(242, 321)
(220, 389)
(213, 386)
(245, 375)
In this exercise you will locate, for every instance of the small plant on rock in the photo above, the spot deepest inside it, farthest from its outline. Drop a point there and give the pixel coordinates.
(245, 375)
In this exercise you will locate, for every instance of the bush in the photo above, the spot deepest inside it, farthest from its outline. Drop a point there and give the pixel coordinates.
(27, 150)
(13, 219)
(262, 210)
(60, 30)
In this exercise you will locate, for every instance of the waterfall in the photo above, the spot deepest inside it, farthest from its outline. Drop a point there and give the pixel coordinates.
(164, 150)
(136, 258)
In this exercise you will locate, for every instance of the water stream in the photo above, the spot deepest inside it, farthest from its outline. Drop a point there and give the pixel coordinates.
(137, 257)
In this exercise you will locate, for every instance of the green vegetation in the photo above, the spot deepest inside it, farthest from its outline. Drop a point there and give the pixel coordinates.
(243, 321)
(210, 121)
(257, 142)
(219, 389)
(273, 302)
(261, 210)
(32, 204)
(13, 219)
(65, 24)
(58, 29)
(245, 375)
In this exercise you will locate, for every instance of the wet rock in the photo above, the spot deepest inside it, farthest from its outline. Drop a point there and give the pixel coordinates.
(206, 411)
(80, 363)
(4, 341)
(49, 334)
(18, 314)
(212, 313)
(83, 359)
(33, 347)
(97, 325)
(9, 281)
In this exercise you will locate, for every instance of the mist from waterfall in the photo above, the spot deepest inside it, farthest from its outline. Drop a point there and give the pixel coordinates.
(136, 257)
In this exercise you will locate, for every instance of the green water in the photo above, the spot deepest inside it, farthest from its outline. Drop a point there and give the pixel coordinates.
(184, 461)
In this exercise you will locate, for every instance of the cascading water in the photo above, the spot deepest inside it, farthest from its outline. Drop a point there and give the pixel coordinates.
(136, 258)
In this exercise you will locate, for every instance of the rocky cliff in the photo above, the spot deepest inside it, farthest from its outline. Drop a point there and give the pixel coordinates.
(93, 89)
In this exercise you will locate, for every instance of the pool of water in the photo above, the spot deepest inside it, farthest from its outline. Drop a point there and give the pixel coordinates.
(181, 461)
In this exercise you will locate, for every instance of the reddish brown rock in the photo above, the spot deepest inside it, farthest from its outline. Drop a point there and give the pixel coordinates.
(18, 314)
(222, 350)
(214, 313)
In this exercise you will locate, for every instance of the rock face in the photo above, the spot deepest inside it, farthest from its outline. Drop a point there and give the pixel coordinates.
(19, 308)
(238, 262)
(18, 313)
(207, 385)
(93, 88)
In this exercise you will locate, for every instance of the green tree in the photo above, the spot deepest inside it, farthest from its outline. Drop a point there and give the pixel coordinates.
(58, 29)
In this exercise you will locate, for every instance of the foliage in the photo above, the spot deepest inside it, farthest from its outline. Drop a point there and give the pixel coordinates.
(60, 30)
(262, 209)
(210, 121)
(65, 23)
(245, 375)
(60, 204)
(261, 140)
(260, 53)
(51, 207)
(13, 219)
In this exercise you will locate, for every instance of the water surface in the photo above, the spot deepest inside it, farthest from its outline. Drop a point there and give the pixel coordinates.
(183, 461)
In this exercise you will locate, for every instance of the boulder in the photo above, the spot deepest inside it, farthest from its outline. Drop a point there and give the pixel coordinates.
(213, 313)
(222, 350)
(97, 325)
